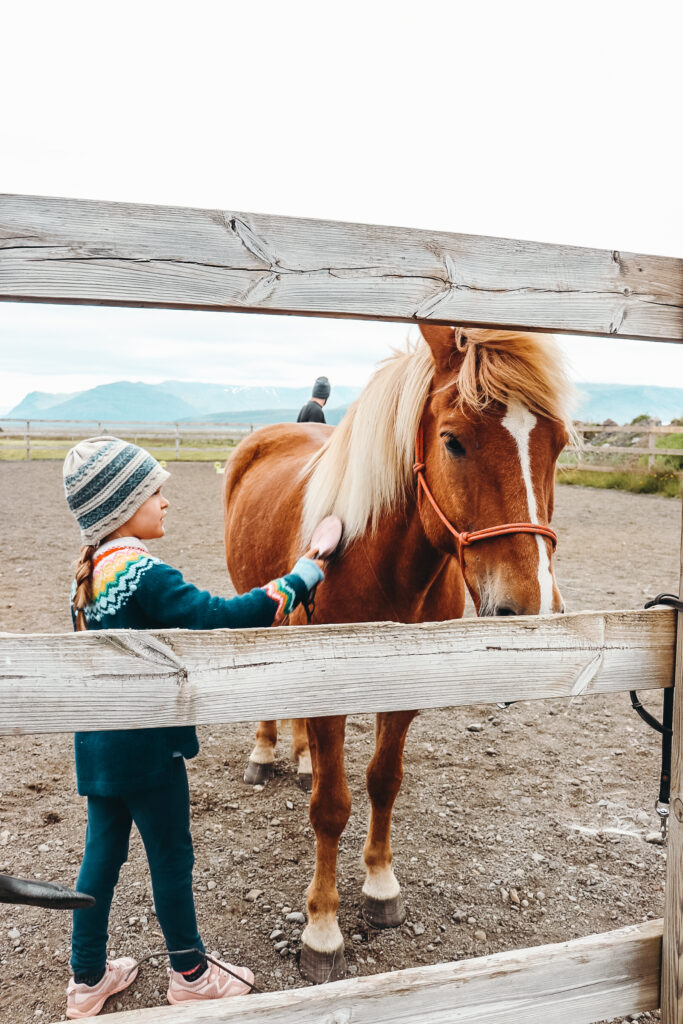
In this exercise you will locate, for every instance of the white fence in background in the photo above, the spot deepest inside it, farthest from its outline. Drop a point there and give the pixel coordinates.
(30, 433)
(588, 451)
(16, 433)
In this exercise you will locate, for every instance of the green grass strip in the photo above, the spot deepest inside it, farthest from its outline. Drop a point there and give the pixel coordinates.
(665, 482)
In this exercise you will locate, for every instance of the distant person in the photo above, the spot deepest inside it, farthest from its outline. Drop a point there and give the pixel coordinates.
(312, 411)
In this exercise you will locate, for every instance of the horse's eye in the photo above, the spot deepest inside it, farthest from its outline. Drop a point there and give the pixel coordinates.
(453, 446)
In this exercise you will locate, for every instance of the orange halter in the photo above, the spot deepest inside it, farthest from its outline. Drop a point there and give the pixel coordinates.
(466, 538)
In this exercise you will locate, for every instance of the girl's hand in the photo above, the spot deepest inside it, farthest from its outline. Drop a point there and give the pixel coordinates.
(310, 571)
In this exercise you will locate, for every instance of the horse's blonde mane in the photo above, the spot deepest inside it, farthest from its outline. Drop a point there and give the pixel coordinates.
(366, 467)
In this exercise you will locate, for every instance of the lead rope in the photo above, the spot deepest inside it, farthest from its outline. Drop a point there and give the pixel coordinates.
(309, 604)
(665, 727)
(200, 953)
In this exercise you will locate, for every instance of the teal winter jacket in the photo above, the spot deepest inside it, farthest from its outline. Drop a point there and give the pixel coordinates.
(134, 590)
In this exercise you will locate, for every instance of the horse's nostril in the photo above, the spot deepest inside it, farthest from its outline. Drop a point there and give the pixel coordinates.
(504, 609)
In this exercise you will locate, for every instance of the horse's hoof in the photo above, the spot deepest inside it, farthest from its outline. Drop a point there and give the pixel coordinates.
(256, 774)
(305, 780)
(322, 967)
(384, 913)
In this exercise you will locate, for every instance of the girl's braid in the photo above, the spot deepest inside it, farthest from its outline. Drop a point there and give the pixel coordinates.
(83, 594)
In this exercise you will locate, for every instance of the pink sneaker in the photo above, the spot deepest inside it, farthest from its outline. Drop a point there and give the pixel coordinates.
(88, 1000)
(213, 984)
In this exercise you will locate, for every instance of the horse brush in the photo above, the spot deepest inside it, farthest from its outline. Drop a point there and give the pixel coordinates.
(324, 543)
(326, 538)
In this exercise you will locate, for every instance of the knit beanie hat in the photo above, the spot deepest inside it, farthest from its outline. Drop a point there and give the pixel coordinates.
(106, 480)
(321, 388)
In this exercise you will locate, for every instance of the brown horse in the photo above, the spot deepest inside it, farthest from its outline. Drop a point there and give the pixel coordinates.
(479, 418)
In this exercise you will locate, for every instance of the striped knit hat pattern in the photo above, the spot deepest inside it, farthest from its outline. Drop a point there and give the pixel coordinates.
(106, 480)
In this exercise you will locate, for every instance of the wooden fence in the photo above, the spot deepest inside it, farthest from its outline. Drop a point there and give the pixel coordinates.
(23, 434)
(587, 451)
(54, 250)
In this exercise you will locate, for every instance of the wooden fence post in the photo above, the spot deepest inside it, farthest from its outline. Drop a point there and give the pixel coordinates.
(651, 441)
(177, 442)
(672, 948)
(27, 438)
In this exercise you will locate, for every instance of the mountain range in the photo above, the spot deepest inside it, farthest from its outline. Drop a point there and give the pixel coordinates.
(174, 401)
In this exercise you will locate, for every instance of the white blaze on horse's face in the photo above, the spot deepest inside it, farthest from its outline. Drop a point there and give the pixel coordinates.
(519, 422)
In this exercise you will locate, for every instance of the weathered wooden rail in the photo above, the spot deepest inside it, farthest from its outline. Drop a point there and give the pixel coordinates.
(120, 679)
(579, 981)
(64, 250)
(120, 254)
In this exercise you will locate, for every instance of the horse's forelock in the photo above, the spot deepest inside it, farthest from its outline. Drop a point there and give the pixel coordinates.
(505, 366)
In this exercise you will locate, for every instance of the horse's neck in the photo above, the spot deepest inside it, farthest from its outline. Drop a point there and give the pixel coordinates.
(406, 567)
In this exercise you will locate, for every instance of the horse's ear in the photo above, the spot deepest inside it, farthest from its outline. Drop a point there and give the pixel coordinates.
(441, 341)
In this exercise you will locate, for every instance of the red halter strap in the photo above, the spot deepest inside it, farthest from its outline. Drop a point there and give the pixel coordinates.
(466, 538)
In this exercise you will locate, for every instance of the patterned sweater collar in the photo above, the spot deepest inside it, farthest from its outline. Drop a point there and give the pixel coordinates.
(120, 542)
(118, 567)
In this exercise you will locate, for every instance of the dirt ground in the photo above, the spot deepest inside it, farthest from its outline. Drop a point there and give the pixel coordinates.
(529, 830)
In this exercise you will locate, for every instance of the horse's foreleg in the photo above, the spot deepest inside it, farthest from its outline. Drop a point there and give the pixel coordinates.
(260, 764)
(382, 903)
(322, 952)
(301, 754)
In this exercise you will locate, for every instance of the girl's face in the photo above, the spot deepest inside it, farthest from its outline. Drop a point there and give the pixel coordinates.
(148, 522)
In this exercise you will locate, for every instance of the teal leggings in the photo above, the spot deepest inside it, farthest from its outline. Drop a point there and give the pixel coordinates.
(162, 816)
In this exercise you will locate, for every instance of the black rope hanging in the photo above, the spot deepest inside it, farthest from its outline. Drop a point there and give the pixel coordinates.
(664, 727)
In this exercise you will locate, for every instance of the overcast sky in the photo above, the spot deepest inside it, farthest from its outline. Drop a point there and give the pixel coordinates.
(556, 123)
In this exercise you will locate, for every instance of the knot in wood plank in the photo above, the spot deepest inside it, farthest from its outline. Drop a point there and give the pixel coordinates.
(148, 648)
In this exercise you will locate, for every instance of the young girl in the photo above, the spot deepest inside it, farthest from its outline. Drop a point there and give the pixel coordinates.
(138, 775)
